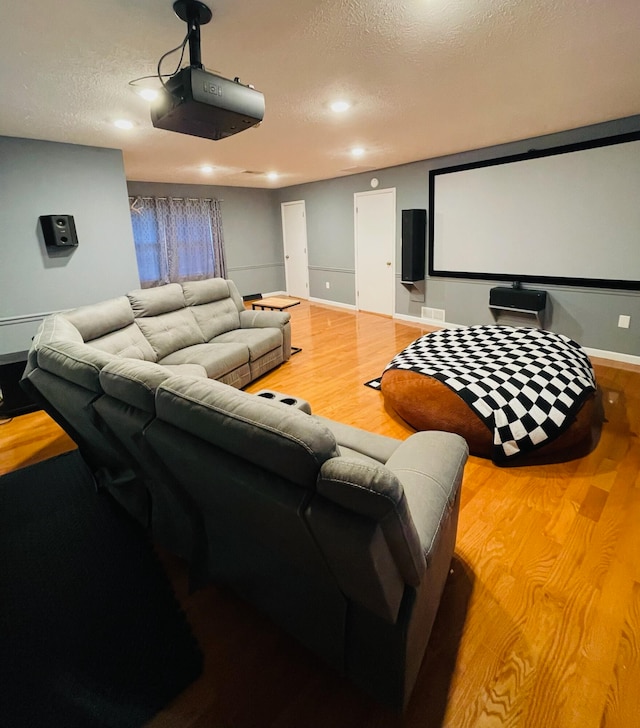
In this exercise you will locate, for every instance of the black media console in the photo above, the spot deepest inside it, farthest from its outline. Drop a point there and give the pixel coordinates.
(518, 300)
(523, 300)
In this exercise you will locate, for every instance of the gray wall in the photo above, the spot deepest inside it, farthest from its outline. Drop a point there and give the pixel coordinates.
(588, 315)
(46, 178)
(252, 231)
(38, 178)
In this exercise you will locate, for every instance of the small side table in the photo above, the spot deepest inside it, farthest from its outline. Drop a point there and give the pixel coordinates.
(276, 303)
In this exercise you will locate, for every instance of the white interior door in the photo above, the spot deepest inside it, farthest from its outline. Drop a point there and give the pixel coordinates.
(294, 238)
(375, 240)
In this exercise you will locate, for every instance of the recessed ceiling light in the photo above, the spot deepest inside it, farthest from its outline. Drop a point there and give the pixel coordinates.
(123, 124)
(150, 94)
(206, 169)
(340, 106)
(357, 152)
(273, 175)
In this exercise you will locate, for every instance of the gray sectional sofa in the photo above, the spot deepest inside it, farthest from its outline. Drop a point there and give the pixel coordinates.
(199, 323)
(343, 537)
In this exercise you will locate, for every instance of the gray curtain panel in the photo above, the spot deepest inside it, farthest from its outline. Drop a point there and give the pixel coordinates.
(177, 239)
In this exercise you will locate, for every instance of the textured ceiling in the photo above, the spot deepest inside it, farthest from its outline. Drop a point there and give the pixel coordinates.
(426, 78)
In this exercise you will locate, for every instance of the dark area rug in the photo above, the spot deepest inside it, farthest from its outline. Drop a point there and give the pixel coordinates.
(91, 633)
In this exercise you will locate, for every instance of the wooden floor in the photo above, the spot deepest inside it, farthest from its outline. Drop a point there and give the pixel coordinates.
(540, 621)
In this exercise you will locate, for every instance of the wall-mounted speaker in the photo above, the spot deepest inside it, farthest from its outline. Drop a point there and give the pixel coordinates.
(59, 231)
(414, 231)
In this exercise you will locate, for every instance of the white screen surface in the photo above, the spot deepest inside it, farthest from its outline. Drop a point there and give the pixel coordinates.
(572, 215)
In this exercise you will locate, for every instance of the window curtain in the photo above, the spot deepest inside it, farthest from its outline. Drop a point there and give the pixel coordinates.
(177, 239)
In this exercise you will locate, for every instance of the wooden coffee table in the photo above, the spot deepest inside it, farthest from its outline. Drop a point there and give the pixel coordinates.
(276, 303)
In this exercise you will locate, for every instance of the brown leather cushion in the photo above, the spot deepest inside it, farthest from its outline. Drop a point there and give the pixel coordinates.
(427, 404)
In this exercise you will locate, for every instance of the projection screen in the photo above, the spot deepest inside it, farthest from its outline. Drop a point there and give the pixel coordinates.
(567, 215)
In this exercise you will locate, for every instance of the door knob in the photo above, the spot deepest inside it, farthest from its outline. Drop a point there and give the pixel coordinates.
(287, 257)
(388, 262)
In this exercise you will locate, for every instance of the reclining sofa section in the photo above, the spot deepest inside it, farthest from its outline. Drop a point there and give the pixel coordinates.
(343, 537)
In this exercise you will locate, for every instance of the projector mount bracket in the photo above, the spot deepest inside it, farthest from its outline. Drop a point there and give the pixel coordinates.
(194, 13)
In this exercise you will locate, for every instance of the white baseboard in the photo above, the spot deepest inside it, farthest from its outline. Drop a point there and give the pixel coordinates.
(274, 293)
(613, 356)
(337, 304)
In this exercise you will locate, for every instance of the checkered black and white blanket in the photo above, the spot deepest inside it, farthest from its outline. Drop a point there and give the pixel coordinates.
(525, 384)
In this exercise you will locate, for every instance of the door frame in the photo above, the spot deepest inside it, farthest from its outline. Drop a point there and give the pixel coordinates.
(305, 252)
(392, 251)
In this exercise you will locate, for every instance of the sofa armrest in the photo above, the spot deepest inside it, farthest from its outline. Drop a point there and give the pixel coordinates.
(430, 466)
(270, 320)
(53, 329)
(376, 493)
(264, 319)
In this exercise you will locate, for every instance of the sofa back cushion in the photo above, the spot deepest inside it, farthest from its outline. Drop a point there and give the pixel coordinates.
(169, 332)
(77, 363)
(155, 301)
(99, 319)
(213, 307)
(216, 318)
(127, 342)
(271, 435)
(134, 382)
(197, 292)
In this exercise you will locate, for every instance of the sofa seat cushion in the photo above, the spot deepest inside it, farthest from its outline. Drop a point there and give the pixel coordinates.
(347, 452)
(189, 370)
(170, 332)
(217, 359)
(368, 444)
(258, 341)
(128, 342)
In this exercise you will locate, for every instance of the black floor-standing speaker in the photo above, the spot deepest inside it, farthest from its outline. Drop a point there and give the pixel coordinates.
(59, 231)
(414, 232)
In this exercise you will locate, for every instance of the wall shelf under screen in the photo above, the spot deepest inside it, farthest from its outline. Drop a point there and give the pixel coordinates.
(567, 215)
(518, 300)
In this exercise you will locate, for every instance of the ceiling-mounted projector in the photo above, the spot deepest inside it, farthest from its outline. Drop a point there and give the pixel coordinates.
(194, 101)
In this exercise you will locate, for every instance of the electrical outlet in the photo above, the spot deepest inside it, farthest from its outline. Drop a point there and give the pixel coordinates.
(327, 284)
(624, 321)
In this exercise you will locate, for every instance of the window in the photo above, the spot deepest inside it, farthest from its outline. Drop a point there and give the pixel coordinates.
(177, 239)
